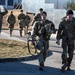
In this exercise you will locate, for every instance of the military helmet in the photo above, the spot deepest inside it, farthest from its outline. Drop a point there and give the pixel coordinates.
(69, 12)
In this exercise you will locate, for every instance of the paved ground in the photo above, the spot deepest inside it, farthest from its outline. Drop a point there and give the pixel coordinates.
(30, 67)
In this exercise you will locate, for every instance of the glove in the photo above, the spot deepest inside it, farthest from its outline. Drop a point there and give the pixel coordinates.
(58, 42)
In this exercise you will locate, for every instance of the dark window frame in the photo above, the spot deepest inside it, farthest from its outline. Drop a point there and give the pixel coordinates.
(2, 2)
(10, 2)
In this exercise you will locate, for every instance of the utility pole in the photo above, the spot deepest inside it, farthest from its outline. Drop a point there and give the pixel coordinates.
(57, 4)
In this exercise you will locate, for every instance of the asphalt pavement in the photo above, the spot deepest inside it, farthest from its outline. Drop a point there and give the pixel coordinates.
(29, 65)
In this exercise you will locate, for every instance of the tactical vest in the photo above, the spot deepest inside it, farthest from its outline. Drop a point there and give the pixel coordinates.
(43, 29)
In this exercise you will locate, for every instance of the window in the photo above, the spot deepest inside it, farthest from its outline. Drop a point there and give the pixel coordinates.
(2, 2)
(10, 2)
(48, 1)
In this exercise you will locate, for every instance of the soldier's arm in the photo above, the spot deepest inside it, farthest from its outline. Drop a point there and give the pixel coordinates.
(8, 19)
(53, 28)
(59, 33)
(14, 19)
(29, 19)
(43, 31)
(35, 19)
(19, 17)
(34, 29)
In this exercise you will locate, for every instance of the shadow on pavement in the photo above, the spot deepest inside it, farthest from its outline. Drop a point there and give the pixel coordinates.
(24, 68)
(27, 58)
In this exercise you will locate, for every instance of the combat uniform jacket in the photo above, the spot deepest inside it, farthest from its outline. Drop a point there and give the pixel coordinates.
(44, 29)
(21, 19)
(27, 20)
(11, 19)
(66, 30)
(37, 18)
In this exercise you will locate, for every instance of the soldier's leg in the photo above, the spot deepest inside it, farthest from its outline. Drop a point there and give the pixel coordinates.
(25, 30)
(27, 27)
(43, 53)
(46, 47)
(64, 55)
(11, 29)
(0, 27)
(70, 54)
(41, 58)
(21, 29)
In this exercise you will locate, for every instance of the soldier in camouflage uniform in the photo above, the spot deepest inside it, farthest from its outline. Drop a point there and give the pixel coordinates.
(38, 16)
(27, 21)
(1, 17)
(43, 29)
(11, 20)
(21, 19)
(66, 32)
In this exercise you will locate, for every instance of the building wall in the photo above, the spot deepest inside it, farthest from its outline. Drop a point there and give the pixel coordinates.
(58, 4)
(34, 5)
(9, 3)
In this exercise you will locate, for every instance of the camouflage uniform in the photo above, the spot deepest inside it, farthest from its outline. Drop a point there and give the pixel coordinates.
(37, 18)
(21, 19)
(1, 18)
(43, 30)
(27, 21)
(11, 20)
(66, 32)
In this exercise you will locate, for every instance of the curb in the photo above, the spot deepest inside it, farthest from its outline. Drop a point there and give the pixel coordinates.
(27, 58)
(8, 29)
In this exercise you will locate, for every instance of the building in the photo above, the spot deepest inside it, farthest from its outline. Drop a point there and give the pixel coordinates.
(54, 8)
(58, 4)
(9, 3)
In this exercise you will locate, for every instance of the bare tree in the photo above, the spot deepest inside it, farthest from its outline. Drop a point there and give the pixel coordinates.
(70, 5)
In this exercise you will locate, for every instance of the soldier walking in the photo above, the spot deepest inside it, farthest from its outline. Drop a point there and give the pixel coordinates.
(21, 18)
(66, 32)
(1, 17)
(27, 21)
(43, 29)
(38, 16)
(11, 20)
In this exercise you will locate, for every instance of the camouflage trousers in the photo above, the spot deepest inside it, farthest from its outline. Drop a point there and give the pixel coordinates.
(25, 30)
(43, 46)
(0, 27)
(11, 27)
(67, 55)
(21, 28)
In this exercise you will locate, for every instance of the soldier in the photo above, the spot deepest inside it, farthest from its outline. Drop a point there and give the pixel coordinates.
(27, 21)
(66, 33)
(43, 29)
(11, 20)
(1, 17)
(21, 19)
(38, 16)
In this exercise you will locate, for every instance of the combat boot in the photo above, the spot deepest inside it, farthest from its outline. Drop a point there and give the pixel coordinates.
(10, 35)
(41, 67)
(68, 65)
(21, 34)
(63, 69)
(68, 69)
